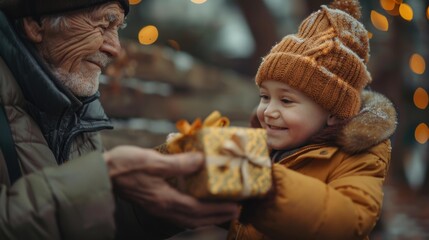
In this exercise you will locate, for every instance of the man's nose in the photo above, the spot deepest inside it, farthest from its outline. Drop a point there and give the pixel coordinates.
(111, 45)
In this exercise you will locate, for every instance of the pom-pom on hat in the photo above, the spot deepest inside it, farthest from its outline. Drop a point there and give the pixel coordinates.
(37, 8)
(326, 59)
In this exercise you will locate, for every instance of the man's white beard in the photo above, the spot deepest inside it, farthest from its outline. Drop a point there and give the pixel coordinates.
(78, 84)
(83, 84)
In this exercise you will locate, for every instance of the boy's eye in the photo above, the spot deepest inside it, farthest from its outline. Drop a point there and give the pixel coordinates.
(285, 100)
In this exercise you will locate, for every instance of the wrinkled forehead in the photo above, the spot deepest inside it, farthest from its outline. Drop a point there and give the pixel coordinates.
(111, 12)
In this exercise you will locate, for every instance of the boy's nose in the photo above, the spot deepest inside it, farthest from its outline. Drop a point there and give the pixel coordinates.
(271, 111)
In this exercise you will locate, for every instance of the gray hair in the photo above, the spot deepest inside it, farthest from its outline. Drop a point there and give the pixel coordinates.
(56, 22)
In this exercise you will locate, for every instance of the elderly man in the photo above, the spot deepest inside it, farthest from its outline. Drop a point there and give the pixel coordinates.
(56, 183)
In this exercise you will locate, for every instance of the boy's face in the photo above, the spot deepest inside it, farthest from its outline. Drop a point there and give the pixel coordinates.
(290, 117)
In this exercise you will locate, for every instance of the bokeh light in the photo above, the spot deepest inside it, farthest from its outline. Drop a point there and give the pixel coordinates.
(427, 12)
(379, 21)
(394, 11)
(417, 64)
(134, 2)
(406, 11)
(421, 98)
(174, 44)
(198, 1)
(148, 35)
(370, 35)
(422, 133)
(387, 5)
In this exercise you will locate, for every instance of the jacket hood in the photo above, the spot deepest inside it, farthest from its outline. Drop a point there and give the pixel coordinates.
(376, 122)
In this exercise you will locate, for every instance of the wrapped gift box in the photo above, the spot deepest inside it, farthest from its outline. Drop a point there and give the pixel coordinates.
(237, 163)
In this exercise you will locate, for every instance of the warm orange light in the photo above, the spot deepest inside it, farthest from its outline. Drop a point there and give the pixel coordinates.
(370, 35)
(427, 13)
(379, 21)
(421, 98)
(198, 1)
(174, 44)
(394, 11)
(406, 11)
(134, 2)
(148, 35)
(417, 64)
(387, 4)
(421, 133)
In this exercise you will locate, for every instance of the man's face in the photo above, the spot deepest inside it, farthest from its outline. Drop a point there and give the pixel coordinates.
(82, 45)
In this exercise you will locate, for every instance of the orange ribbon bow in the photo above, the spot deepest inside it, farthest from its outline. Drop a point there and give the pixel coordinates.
(175, 145)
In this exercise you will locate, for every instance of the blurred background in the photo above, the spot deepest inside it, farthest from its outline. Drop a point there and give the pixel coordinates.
(183, 59)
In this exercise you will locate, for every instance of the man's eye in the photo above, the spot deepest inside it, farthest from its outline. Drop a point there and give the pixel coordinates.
(104, 26)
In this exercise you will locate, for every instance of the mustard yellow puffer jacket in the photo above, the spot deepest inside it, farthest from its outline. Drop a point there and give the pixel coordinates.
(328, 192)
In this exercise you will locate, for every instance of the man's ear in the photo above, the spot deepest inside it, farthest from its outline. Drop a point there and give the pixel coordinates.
(332, 120)
(32, 30)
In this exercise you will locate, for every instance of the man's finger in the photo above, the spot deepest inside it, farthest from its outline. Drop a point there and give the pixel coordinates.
(189, 212)
(182, 209)
(188, 205)
(176, 164)
(185, 204)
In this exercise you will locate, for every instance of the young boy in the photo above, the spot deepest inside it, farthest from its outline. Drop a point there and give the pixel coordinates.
(329, 139)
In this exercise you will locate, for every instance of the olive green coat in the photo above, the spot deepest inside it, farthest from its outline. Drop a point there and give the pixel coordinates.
(71, 201)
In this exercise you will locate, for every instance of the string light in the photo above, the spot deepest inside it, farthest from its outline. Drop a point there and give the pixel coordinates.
(417, 64)
(379, 21)
(406, 11)
(387, 5)
(134, 2)
(174, 44)
(421, 98)
(148, 35)
(422, 133)
(427, 12)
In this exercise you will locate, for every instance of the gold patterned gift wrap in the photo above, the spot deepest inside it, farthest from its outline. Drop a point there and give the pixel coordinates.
(237, 164)
(183, 141)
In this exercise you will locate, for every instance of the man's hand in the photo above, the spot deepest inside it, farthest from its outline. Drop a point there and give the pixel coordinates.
(139, 175)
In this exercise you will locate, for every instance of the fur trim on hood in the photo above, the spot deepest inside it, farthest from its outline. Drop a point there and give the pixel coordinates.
(376, 122)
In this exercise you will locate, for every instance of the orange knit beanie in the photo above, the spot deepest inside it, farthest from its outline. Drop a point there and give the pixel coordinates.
(326, 59)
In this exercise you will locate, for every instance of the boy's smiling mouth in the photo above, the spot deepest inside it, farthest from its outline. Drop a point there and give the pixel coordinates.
(275, 128)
